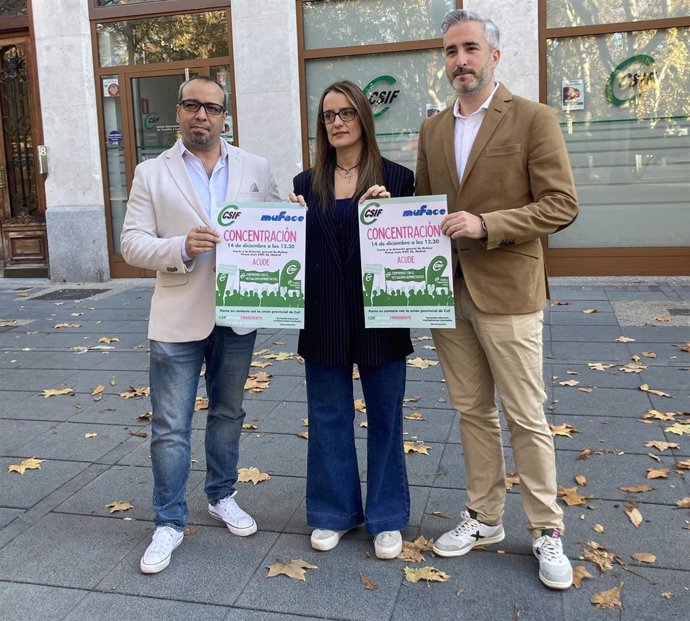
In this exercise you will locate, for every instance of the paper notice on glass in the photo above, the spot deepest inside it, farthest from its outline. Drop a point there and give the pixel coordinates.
(406, 263)
(260, 265)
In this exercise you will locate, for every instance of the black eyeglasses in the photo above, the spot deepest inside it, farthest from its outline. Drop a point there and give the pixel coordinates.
(192, 105)
(346, 114)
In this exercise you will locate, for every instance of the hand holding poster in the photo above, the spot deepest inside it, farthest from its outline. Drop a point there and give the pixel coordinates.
(259, 261)
(406, 266)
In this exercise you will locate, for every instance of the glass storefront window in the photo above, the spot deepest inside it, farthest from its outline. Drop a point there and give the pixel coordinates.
(13, 8)
(622, 100)
(403, 87)
(344, 23)
(567, 13)
(163, 39)
(120, 2)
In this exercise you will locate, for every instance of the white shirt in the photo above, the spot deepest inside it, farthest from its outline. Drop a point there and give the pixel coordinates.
(466, 129)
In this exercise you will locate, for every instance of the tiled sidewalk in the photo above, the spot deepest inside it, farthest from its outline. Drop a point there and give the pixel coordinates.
(64, 556)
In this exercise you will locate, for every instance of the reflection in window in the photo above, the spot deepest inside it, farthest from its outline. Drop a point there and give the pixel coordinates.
(567, 13)
(343, 23)
(628, 134)
(163, 39)
(12, 8)
(120, 2)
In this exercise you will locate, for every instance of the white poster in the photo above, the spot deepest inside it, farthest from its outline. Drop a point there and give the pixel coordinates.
(260, 265)
(406, 263)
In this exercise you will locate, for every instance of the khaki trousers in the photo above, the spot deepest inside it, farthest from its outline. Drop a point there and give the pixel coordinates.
(484, 353)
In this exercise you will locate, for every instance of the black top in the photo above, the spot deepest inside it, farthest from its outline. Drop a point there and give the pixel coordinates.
(334, 331)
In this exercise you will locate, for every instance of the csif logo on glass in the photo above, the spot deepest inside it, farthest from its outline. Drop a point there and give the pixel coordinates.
(228, 215)
(424, 210)
(629, 79)
(381, 93)
(370, 213)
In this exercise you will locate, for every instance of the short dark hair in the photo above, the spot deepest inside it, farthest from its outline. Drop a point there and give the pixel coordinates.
(200, 78)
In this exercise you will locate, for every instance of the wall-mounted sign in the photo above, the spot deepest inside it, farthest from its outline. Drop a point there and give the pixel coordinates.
(111, 87)
(628, 79)
(381, 93)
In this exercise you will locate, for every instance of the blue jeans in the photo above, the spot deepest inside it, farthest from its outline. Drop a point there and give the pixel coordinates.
(334, 495)
(174, 376)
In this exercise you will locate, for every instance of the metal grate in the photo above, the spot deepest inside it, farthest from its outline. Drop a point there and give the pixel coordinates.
(685, 312)
(70, 294)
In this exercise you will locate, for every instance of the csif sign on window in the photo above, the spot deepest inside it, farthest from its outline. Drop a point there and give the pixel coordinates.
(381, 93)
(627, 80)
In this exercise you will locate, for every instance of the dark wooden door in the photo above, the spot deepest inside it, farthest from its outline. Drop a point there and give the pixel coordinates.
(22, 203)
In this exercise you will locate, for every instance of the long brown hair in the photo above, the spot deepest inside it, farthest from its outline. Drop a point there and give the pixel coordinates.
(370, 168)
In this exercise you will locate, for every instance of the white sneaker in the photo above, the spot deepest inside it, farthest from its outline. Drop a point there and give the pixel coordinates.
(555, 570)
(469, 534)
(157, 556)
(239, 522)
(388, 544)
(324, 539)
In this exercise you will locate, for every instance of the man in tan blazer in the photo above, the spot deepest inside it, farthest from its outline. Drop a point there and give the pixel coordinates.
(168, 228)
(502, 162)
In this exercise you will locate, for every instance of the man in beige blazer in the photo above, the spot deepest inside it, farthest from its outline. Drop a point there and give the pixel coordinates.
(168, 228)
(502, 162)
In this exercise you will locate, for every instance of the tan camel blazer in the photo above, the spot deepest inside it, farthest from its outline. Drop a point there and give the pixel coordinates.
(518, 178)
(161, 210)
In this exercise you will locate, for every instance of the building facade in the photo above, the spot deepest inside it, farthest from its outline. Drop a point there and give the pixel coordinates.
(88, 90)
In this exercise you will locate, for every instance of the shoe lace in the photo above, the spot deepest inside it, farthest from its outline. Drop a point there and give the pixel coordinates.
(161, 539)
(550, 548)
(468, 526)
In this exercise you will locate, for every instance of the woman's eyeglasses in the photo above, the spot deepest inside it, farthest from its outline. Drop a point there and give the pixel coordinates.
(192, 105)
(346, 114)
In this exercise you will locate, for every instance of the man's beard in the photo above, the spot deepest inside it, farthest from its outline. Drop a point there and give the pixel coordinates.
(481, 79)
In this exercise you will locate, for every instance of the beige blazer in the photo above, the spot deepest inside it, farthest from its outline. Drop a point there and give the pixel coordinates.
(518, 178)
(161, 210)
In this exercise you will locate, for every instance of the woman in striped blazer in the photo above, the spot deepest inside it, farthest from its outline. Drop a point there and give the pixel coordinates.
(348, 168)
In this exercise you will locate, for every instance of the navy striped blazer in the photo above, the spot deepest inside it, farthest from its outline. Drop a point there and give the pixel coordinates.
(334, 331)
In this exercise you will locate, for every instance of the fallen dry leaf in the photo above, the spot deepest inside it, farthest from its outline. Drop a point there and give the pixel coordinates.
(559, 303)
(364, 424)
(249, 426)
(569, 383)
(651, 391)
(355, 373)
(360, 406)
(60, 326)
(599, 556)
(667, 594)
(98, 390)
(139, 434)
(303, 434)
(589, 311)
(683, 346)
(564, 429)
(608, 599)
(136, 393)
(258, 364)
(659, 445)
(683, 465)
(251, 475)
(200, 403)
(633, 367)
(416, 447)
(633, 514)
(679, 429)
(108, 339)
(580, 573)
(120, 505)
(90, 435)
(581, 480)
(421, 363)
(412, 550)
(415, 416)
(644, 557)
(684, 503)
(624, 339)
(258, 382)
(368, 583)
(662, 318)
(279, 343)
(512, 478)
(28, 464)
(294, 569)
(53, 392)
(586, 454)
(587, 389)
(598, 528)
(571, 497)
(636, 489)
(661, 473)
(649, 354)
(430, 574)
(413, 399)
(654, 457)
(145, 416)
(599, 366)
(656, 415)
